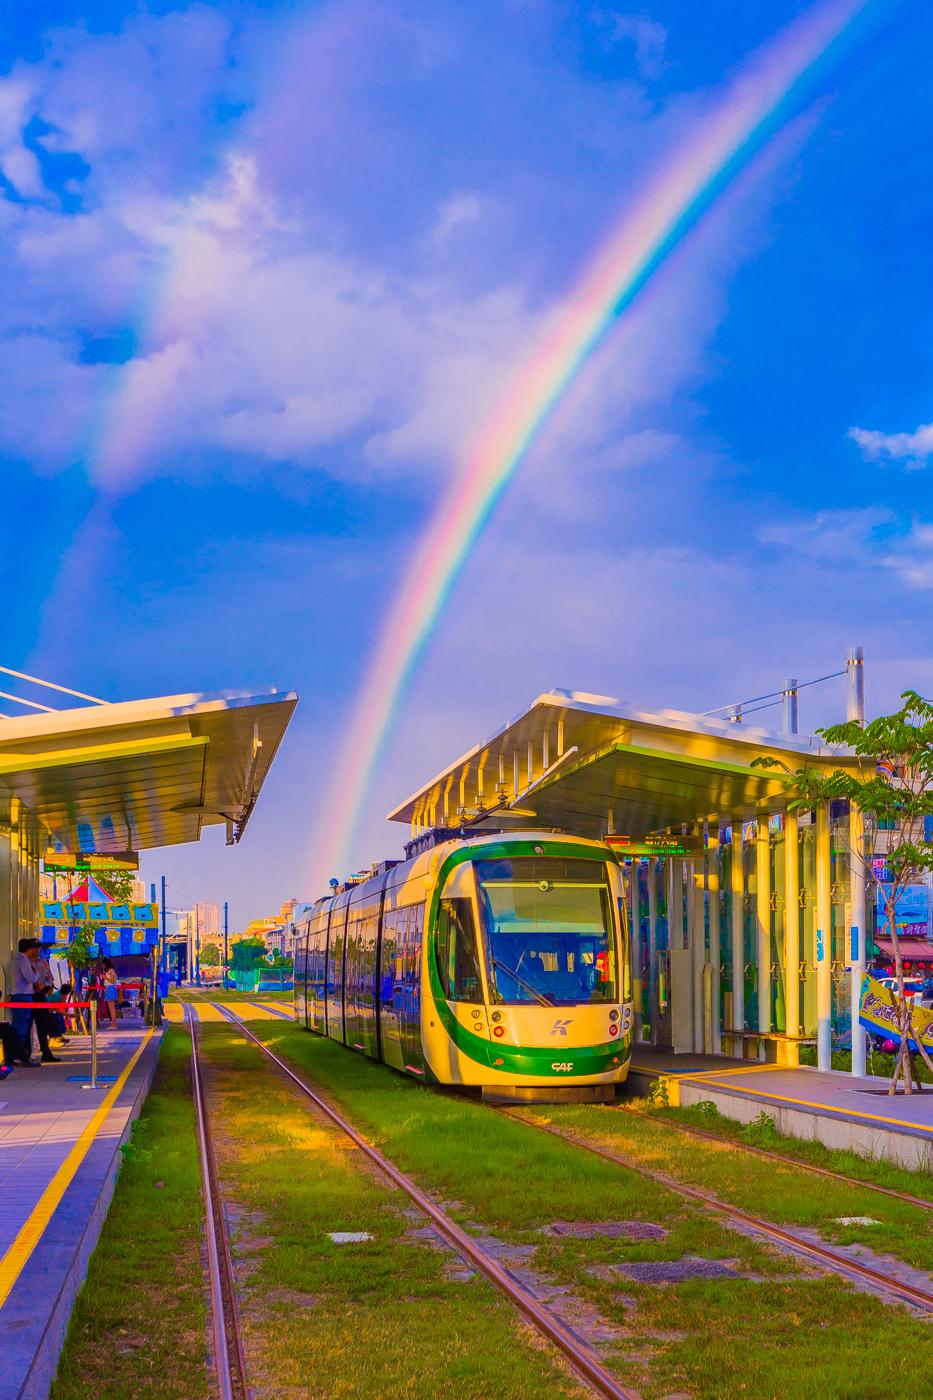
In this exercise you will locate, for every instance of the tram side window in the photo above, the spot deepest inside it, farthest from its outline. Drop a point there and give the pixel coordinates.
(457, 959)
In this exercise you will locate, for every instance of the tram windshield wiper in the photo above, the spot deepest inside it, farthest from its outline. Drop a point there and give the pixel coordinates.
(538, 996)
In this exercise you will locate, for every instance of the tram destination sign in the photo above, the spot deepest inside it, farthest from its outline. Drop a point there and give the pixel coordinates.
(655, 845)
(66, 862)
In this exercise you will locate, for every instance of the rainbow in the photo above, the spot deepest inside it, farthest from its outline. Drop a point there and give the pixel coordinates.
(751, 109)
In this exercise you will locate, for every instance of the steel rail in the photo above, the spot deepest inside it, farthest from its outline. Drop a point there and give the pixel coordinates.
(580, 1357)
(791, 1161)
(838, 1264)
(229, 1358)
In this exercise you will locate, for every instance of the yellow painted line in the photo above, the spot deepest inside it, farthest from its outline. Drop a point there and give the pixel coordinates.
(249, 1011)
(206, 1011)
(833, 1108)
(711, 1073)
(17, 1256)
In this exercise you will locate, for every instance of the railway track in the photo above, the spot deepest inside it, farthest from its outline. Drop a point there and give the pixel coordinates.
(582, 1360)
(724, 1141)
(917, 1297)
(229, 1357)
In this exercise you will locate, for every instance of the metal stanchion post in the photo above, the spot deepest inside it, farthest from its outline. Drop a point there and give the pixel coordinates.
(93, 1083)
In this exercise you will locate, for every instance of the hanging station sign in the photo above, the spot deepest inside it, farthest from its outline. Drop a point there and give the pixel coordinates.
(82, 863)
(655, 845)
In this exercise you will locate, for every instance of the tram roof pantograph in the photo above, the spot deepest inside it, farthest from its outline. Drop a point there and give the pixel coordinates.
(591, 766)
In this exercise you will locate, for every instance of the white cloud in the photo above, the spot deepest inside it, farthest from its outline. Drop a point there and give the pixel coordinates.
(649, 38)
(913, 448)
(841, 535)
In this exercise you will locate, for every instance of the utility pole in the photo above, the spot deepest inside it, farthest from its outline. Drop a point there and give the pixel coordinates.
(197, 945)
(164, 944)
(225, 945)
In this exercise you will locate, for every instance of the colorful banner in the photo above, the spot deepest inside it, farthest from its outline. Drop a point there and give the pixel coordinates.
(65, 911)
(878, 1014)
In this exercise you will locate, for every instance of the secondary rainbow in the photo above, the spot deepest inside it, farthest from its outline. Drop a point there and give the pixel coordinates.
(751, 109)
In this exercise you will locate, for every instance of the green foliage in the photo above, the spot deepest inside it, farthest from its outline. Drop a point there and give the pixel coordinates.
(78, 953)
(761, 1132)
(116, 884)
(246, 953)
(210, 955)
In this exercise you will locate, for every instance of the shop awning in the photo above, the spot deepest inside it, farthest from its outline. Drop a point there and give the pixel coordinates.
(916, 949)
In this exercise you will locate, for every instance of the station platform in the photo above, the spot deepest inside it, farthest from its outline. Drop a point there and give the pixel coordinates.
(837, 1109)
(59, 1158)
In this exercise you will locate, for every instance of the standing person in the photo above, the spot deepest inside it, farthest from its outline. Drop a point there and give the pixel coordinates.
(26, 979)
(111, 991)
(50, 1021)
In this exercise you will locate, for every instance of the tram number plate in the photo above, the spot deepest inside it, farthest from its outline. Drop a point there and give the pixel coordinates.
(561, 1066)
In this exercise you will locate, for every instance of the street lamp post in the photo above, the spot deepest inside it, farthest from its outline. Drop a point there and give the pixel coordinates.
(197, 946)
(225, 944)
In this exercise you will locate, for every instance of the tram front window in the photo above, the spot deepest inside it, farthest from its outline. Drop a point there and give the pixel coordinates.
(549, 930)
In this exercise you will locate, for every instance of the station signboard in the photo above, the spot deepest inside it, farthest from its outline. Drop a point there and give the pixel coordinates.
(85, 863)
(655, 845)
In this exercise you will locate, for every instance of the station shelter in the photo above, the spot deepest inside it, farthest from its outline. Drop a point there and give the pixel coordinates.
(116, 779)
(750, 925)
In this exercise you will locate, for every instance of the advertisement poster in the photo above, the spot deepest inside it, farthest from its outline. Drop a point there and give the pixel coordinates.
(878, 1014)
(912, 911)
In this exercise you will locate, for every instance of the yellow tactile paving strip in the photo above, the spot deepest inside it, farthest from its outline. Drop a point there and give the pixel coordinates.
(174, 1011)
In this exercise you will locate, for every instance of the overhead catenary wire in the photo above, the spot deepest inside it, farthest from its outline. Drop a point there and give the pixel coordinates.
(51, 685)
(772, 695)
(33, 704)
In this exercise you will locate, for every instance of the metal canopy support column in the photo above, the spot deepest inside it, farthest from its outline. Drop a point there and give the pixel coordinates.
(681, 993)
(737, 874)
(792, 934)
(824, 940)
(763, 926)
(712, 858)
(634, 926)
(857, 932)
(653, 948)
(701, 1018)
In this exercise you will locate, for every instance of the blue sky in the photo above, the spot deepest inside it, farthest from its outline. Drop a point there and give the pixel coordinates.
(262, 271)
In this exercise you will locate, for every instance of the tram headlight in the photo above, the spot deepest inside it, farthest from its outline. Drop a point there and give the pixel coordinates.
(613, 1015)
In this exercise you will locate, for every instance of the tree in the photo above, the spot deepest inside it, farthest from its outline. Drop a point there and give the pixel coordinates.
(246, 953)
(116, 884)
(896, 800)
(210, 955)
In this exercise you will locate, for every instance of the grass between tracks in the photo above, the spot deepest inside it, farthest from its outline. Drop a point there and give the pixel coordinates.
(776, 1191)
(785, 1335)
(381, 1318)
(138, 1326)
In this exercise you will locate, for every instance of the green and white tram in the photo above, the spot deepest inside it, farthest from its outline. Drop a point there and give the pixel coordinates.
(495, 961)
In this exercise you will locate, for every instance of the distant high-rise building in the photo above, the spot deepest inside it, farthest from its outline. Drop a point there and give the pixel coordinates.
(210, 918)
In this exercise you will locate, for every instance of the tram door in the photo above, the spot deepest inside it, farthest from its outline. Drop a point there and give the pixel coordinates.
(391, 967)
(411, 930)
(335, 970)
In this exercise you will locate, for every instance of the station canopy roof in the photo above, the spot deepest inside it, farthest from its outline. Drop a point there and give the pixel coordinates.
(614, 768)
(143, 773)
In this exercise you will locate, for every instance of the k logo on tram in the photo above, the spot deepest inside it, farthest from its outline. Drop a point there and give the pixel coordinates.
(560, 1027)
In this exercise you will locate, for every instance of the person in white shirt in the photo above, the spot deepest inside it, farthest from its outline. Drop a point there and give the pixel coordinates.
(27, 983)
